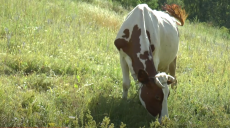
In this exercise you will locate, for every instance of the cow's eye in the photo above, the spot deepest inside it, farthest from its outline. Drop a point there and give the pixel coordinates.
(157, 98)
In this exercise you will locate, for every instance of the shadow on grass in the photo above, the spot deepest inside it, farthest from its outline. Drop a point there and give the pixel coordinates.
(130, 111)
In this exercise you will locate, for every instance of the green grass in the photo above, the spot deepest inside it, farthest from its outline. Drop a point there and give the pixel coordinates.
(59, 67)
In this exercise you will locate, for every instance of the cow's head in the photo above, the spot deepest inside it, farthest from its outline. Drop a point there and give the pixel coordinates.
(154, 92)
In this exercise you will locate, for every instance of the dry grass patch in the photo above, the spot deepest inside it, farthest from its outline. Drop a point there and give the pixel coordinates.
(100, 16)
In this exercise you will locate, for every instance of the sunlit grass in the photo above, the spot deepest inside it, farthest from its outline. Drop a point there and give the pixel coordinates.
(57, 61)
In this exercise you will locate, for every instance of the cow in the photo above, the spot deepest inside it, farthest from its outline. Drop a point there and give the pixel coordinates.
(148, 42)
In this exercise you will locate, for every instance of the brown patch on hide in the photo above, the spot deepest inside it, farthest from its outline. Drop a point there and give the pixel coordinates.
(148, 34)
(126, 31)
(132, 47)
(150, 68)
(151, 45)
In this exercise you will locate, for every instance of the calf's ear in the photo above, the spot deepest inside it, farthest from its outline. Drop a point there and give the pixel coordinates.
(143, 76)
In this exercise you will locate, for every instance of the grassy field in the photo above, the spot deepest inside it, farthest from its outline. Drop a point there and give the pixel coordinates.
(60, 68)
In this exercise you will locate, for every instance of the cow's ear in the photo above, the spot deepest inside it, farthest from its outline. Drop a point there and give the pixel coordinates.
(143, 76)
(170, 80)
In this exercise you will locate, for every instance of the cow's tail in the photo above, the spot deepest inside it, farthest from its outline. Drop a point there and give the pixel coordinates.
(177, 12)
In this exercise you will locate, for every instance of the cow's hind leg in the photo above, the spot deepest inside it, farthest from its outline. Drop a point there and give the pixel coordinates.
(172, 72)
(126, 78)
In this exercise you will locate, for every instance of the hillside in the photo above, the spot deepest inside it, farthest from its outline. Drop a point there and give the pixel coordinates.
(60, 68)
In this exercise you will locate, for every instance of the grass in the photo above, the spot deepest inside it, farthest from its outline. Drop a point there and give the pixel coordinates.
(59, 68)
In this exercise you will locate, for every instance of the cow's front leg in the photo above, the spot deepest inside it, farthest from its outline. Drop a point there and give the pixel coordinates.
(172, 72)
(126, 78)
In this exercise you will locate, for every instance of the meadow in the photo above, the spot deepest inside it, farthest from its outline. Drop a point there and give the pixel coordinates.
(59, 68)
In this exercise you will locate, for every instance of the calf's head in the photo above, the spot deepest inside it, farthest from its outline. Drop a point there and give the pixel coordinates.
(154, 92)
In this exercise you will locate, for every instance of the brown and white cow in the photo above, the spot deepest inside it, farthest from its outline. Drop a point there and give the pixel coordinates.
(148, 42)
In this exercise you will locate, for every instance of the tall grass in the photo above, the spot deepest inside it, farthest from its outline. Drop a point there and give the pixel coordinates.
(59, 67)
